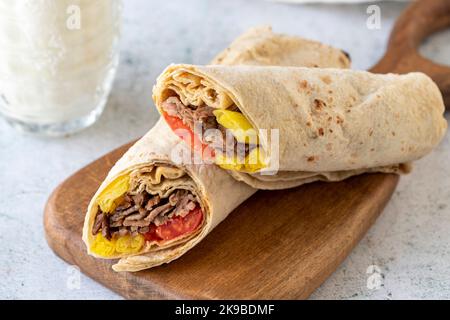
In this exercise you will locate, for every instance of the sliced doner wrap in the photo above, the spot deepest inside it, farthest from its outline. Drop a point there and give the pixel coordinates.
(150, 211)
(152, 207)
(327, 124)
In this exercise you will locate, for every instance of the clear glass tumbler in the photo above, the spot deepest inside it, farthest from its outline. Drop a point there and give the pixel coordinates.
(58, 59)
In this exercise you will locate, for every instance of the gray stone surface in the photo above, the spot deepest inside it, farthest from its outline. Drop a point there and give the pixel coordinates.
(409, 244)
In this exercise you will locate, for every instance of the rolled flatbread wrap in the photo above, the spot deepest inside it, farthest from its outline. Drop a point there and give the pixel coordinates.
(261, 47)
(151, 210)
(292, 125)
(156, 204)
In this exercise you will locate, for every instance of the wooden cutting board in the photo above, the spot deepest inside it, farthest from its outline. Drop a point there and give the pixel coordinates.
(278, 244)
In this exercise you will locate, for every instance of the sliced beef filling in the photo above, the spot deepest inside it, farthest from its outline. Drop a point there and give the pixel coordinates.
(137, 212)
(204, 114)
(190, 114)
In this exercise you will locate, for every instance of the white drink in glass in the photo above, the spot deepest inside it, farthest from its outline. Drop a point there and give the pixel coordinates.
(58, 59)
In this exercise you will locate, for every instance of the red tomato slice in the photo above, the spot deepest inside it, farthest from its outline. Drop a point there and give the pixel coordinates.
(176, 227)
(185, 133)
(151, 234)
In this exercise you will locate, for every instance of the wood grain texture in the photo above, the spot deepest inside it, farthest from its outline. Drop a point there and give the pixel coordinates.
(278, 244)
